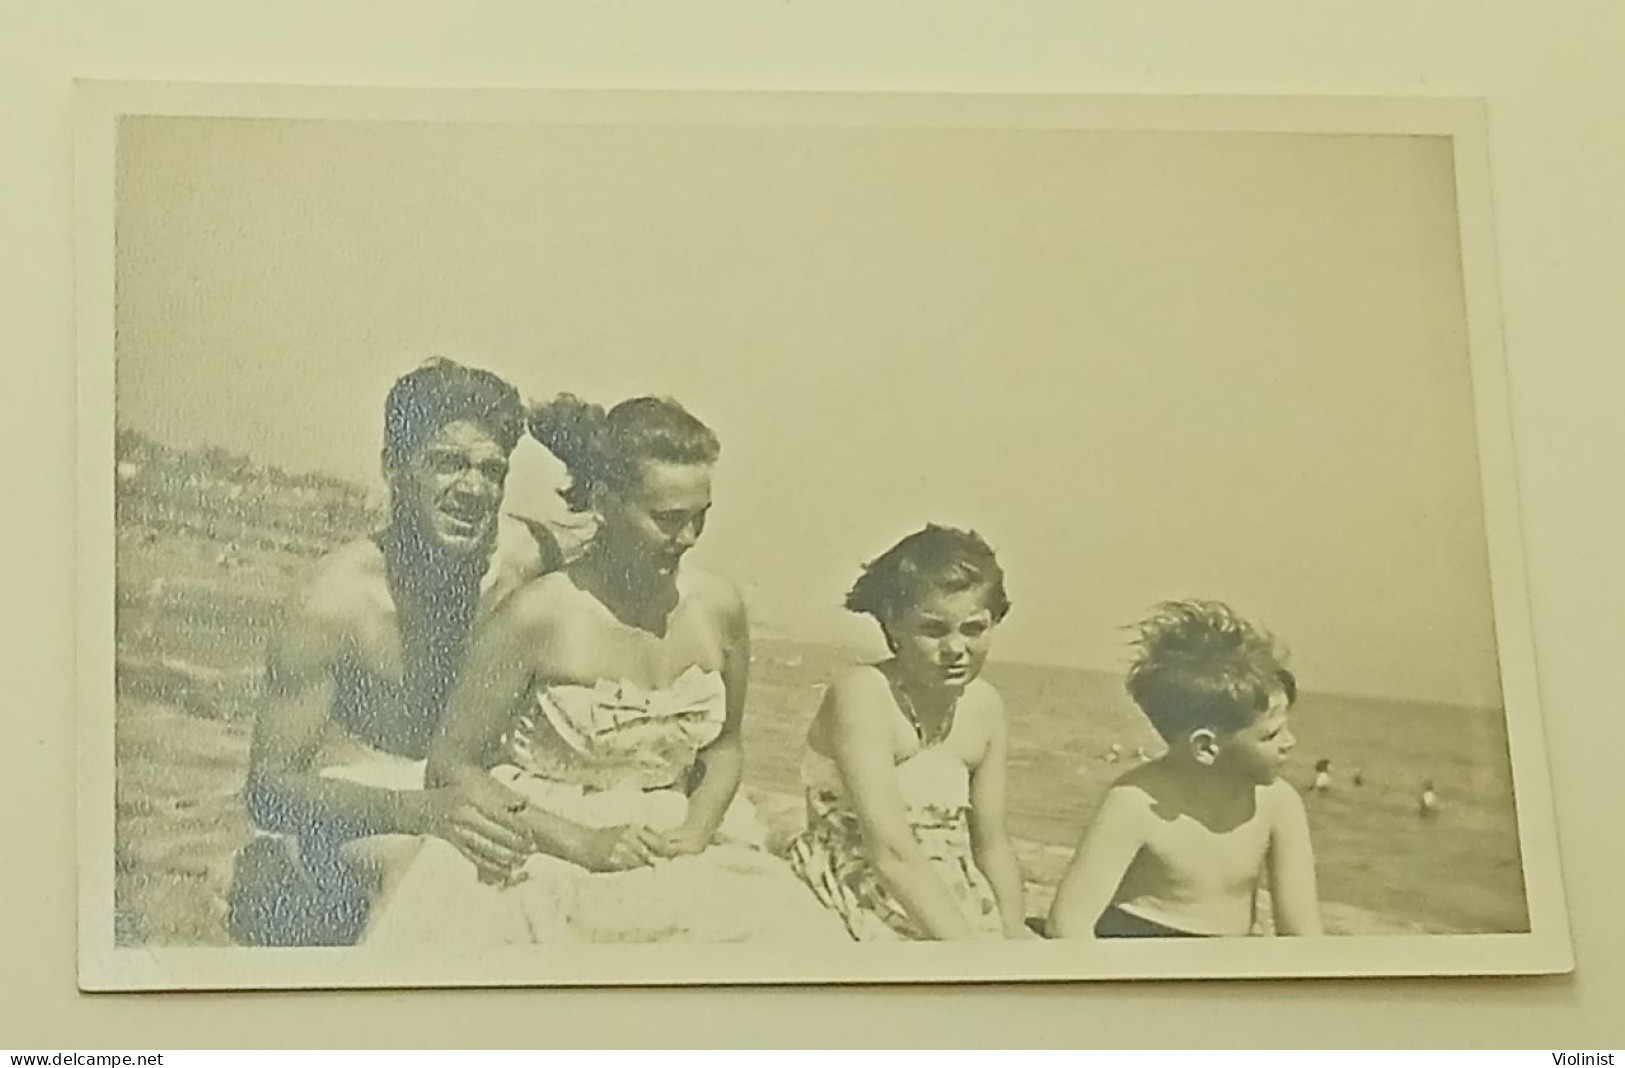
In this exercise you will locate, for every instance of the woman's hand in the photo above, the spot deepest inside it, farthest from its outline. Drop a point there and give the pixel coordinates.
(616, 849)
(679, 842)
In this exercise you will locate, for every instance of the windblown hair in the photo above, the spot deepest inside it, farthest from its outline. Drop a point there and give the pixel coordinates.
(602, 448)
(1202, 665)
(934, 559)
(442, 391)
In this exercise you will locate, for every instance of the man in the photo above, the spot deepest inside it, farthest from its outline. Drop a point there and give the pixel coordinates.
(358, 673)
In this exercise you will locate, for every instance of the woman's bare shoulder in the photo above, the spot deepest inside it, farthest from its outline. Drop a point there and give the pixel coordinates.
(707, 587)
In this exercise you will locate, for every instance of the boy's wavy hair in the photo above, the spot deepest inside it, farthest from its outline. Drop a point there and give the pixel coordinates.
(442, 391)
(934, 559)
(1200, 664)
(602, 448)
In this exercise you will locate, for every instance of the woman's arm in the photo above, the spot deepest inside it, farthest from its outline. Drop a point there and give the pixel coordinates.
(724, 758)
(496, 673)
(990, 836)
(1104, 854)
(857, 713)
(1295, 899)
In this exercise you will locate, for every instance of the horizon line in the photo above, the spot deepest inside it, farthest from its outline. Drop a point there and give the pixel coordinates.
(775, 635)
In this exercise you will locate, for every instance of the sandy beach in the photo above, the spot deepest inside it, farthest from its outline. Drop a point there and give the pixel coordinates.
(209, 544)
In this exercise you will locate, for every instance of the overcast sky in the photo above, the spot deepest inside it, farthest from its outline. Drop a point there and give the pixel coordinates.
(1143, 365)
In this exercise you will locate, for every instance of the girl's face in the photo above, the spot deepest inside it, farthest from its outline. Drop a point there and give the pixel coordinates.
(942, 640)
(651, 524)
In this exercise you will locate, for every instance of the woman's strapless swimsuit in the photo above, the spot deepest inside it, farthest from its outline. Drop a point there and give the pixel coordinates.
(606, 755)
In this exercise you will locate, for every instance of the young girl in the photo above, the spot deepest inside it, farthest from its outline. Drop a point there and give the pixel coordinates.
(905, 760)
(1179, 845)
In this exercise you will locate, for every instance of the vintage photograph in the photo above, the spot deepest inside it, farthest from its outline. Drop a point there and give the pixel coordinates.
(595, 538)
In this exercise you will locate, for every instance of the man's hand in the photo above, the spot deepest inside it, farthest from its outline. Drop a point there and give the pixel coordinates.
(484, 820)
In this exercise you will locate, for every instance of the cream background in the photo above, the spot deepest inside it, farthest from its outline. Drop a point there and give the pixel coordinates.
(1550, 88)
(1145, 364)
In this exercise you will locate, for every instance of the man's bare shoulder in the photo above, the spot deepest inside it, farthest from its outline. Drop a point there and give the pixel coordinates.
(347, 582)
(524, 550)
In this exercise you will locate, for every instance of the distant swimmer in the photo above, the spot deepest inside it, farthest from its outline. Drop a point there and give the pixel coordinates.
(1323, 776)
(1429, 804)
(1359, 777)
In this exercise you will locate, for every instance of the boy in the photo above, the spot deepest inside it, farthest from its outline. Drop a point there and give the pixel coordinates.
(1179, 845)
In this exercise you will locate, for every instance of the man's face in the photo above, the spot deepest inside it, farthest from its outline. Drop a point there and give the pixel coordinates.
(451, 488)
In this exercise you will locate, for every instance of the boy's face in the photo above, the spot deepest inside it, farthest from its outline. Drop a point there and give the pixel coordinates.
(1259, 750)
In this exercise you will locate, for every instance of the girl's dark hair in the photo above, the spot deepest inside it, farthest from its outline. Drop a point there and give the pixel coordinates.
(605, 448)
(934, 559)
(442, 391)
(1202, 665)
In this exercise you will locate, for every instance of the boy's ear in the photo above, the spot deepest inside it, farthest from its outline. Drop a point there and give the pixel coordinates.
(1204, 745)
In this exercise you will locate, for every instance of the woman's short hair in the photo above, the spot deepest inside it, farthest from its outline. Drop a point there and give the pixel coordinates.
(440, 392)
(931, 560)
(602, 448)
(1200, 664)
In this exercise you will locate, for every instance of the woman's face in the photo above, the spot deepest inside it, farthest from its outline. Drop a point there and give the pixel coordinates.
(649, 525)
(942, 640)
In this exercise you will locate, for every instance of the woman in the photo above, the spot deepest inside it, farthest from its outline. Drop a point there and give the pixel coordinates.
(609, 695)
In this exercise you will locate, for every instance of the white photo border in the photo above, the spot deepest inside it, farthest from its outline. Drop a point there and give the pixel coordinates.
(104, 966)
